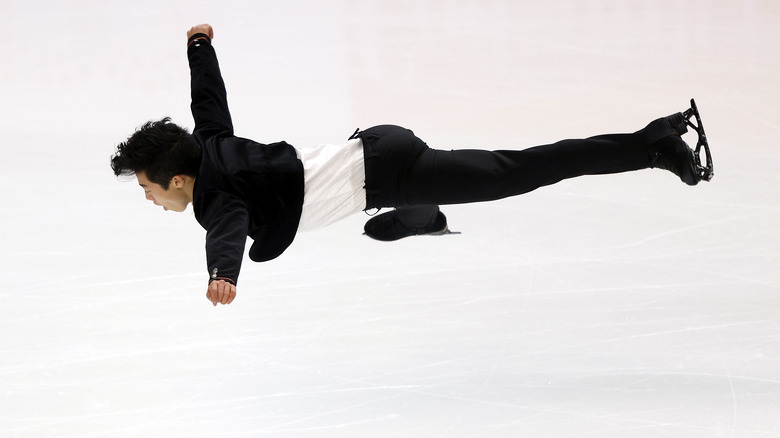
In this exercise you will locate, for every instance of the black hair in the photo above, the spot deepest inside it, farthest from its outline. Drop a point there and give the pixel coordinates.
(161, 150)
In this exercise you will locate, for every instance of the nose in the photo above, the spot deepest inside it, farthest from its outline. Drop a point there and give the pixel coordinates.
(149, 197)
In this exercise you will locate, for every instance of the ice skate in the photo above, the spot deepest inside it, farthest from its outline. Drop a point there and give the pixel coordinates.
(669, 151)
(388, 227)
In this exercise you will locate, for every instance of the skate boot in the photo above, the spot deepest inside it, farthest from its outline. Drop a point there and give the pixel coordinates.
(673, 154)
(388, 227)
(669, 151)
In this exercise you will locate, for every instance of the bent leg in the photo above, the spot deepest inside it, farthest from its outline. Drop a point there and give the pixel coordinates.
(407, 221)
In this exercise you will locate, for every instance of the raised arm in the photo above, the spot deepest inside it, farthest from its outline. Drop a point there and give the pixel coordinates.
(224, 217)
(209, 97)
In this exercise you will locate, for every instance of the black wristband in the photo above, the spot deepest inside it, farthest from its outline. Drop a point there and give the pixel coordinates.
(198, 37)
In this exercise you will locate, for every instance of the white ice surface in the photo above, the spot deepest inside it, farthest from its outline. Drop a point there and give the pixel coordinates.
(614, 306)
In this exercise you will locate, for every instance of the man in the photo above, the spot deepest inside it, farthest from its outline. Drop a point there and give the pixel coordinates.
(269, 192)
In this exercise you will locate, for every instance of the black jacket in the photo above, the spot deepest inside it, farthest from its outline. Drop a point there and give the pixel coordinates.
(243, 188)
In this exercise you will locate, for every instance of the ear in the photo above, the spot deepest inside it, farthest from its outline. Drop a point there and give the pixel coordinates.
(177, 181)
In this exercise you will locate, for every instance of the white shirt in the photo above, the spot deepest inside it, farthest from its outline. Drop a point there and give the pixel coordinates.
(334, 183)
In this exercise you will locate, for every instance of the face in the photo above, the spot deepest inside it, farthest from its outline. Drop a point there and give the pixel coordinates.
(173, 199)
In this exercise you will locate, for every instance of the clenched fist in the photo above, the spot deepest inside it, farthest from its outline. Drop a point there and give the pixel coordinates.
(221, 292)
(201, 28)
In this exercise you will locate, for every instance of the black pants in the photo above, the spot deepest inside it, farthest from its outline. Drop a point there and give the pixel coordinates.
(402, 171)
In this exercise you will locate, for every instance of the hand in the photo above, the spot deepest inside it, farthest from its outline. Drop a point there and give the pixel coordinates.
(201, 28)
(220, 291)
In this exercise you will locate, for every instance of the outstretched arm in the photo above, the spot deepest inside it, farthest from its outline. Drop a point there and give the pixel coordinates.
(209, 99)
(224, 218)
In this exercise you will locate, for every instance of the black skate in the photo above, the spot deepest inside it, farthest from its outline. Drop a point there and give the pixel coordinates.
(669, 151)
(387, 227)
(704, 170)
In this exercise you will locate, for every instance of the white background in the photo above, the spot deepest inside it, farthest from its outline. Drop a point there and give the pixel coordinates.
(610, 306)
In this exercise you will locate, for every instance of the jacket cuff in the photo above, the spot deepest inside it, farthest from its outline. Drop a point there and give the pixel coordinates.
(198, 38)
(223, 279)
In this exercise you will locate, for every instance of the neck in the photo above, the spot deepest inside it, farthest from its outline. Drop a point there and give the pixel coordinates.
(189, 188)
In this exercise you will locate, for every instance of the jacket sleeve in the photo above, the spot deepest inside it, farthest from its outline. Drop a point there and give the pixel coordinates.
(226, 220)
(209, 97)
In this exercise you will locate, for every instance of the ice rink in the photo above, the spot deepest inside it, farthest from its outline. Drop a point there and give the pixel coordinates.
(629, 305)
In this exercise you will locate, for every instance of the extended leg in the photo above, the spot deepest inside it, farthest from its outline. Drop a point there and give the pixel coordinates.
(463, 176)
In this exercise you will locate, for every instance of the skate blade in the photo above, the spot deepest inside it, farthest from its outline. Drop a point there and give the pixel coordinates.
(440, 233)
(443, 232)
(704, 168)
